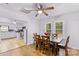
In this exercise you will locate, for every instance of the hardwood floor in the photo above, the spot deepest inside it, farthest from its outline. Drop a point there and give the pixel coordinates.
(26, 50)
(23, 51)
(14, 47)
(31, 51)
(9, 44)
(73, 52)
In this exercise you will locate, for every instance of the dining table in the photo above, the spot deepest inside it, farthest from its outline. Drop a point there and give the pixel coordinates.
(55, 42)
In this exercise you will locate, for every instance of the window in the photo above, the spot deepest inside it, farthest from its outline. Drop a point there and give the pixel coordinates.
(48, 27)
(59, 27)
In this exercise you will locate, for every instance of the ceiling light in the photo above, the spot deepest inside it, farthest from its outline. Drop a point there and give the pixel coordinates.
(40, 11)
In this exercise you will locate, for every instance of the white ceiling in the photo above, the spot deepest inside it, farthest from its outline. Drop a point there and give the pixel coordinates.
(12, 10)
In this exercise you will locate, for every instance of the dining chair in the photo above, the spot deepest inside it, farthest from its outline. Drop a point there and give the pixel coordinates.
(46, 45)
(37, 40)
(54, 35)
(65, 47)
(34, 34)
(42, 43)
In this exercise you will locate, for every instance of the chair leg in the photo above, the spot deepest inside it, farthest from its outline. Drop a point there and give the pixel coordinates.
(36, 46)
(66, 52)
(52, 51)
(43, 50)
(57, 51)
(46, 50)
(40, 48)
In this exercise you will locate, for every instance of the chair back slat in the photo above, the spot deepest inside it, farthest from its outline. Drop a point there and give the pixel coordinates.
(46, 40)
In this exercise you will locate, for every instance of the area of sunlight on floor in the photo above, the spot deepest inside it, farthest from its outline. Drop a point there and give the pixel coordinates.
(8, 44)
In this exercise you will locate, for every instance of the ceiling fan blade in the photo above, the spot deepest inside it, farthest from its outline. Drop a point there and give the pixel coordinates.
(45, 13)
(36, 15)
(25, 11)
(49, 8)
(41, 6)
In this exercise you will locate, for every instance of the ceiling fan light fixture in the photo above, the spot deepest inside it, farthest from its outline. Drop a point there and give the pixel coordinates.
(39, 11)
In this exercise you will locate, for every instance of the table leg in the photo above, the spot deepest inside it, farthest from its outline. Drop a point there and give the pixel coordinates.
(55, 49)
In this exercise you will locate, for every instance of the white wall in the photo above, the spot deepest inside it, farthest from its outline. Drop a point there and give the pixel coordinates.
(72, 28)
(32, 27)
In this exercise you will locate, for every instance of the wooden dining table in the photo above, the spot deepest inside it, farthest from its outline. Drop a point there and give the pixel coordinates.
(55, 42)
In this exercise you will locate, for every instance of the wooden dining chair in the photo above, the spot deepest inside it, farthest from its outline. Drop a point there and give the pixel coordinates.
(37, 40)
(46, 45)
(34, 34)
(65, 47)
(41, 43)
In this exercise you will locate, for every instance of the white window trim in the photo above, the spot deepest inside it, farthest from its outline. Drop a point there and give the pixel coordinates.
(59, 29)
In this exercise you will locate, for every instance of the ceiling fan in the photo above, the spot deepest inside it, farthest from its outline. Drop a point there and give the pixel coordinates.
(40, 9)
